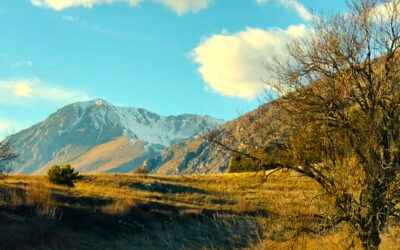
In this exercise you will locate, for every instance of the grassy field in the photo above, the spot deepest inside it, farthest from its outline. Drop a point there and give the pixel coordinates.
(118, 211)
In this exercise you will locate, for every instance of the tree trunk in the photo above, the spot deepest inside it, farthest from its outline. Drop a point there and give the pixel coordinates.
(373, 220)
(370, 239)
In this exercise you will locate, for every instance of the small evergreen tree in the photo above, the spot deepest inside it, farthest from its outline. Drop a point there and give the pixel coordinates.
(64, 175)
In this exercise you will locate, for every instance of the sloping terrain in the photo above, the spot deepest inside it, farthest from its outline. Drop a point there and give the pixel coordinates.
(189, 157)
(258, 128)
(89, 134)
(124, 211)
(105, 157)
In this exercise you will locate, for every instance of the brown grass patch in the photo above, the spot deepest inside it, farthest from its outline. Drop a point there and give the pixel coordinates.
(120, 211)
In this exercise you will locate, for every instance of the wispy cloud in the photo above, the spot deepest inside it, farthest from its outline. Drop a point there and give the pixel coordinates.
(8, 127)
(72, 19)
(27, 91)
(298, 7)
(22, 63)
(95, 28)
(31, 93)
(233, 65)
(185, 6)
(179, 6)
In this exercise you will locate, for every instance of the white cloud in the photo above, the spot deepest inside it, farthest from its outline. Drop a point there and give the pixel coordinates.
(23, 89)
(179, 6)
(233, 65)
(386, 11)
(24, 92)
(298, 7)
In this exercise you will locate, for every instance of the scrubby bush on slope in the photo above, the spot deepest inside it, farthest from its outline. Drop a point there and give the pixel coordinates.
(64, 175)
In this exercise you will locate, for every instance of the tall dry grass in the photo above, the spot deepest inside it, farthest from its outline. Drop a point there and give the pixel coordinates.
(122, 211)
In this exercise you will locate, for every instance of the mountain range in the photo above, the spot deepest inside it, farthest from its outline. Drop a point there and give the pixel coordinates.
(96, 136)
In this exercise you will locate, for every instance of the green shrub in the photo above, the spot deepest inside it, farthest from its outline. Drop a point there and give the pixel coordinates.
(64, 175)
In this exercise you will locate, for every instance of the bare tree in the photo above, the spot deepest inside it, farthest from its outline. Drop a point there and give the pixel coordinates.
(340, 100)
(6, 156)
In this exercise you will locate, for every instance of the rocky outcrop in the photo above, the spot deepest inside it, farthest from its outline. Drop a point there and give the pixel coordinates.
(258, 128)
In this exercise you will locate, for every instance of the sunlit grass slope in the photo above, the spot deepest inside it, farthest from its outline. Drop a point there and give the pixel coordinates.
(116, 211)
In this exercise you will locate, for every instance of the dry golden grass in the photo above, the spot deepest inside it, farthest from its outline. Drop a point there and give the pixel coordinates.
(235, 211)
(119, 206)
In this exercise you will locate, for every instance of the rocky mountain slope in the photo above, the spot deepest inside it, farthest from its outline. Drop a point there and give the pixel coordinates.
(97, 136)
(257, 128)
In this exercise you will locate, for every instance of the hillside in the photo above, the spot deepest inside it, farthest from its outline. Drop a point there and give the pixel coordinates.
(97, 136)
(258, 127)
(123, 211)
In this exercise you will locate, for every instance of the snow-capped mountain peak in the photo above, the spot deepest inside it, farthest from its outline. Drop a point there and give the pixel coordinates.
(83, 125)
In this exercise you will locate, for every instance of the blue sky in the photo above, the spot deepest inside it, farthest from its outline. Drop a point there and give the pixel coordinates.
(168, 56)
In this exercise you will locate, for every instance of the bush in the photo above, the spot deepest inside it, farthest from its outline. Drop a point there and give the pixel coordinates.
(65, 175)
(141, 170)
